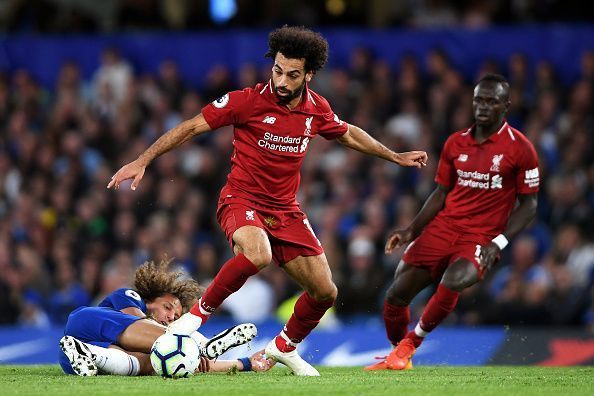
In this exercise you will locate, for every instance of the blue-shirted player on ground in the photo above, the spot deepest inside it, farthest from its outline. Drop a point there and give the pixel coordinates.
(116, 337)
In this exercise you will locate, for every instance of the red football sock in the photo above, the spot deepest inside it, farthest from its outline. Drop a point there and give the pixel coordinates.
(417, 340)
(396, 319)
(438, 308)
(232, 275)
(305, 318)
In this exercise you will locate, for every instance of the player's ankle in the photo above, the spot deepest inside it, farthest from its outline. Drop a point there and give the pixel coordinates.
(199, 311)
(283, 346)
(416, 339)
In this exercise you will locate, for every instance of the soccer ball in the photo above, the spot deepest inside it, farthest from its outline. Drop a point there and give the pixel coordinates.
(175, 356)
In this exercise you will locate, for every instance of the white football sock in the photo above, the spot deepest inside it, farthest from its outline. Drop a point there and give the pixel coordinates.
(187, 324)
(115, 361)
(420, 332)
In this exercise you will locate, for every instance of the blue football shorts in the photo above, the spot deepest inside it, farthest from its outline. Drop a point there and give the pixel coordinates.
(96, 326)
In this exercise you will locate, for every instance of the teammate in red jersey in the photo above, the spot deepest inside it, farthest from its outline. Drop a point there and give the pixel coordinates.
(465, 223)
(274, 123)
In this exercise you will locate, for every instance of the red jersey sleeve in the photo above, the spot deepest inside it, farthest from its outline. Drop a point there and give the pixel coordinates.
(446, 173)
(332, 127)
(527, 174)
(229, 109)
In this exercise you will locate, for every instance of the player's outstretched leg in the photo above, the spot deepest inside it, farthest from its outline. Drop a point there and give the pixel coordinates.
(79, 355)
(291, 359)
(230, 338)
(232, 275)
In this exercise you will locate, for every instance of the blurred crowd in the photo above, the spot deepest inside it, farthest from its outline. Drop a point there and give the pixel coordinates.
(66, 241)
(63, 16)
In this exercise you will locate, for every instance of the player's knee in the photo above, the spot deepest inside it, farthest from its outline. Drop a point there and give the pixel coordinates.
(260, 255)
(393, 298)
(458, 280)
(327, 293)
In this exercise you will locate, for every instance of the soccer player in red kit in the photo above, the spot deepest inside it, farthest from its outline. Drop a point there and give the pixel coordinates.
(274, 123)
(465, 223)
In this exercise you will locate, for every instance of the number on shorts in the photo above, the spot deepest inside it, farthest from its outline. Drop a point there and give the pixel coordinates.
(306, 222)
(477, 253)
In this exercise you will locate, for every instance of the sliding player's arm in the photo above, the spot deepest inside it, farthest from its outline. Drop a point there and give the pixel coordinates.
(256, 362)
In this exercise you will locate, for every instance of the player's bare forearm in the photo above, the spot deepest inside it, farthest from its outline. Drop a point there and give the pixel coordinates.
(174, 138)
(430, 209)
(357, 139)
(522, 215)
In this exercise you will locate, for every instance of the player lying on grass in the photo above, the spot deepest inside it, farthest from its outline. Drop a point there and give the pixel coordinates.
(116, 337)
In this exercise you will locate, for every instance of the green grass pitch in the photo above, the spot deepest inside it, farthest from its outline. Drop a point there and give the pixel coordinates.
(441, 380)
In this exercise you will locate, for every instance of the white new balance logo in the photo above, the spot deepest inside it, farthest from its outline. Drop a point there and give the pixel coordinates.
(269, 120)
(249, 215)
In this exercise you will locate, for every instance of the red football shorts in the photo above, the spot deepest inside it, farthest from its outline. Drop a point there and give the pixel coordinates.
(438, 246)
(289, 231)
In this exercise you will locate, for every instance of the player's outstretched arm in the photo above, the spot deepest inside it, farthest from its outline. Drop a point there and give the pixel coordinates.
(520, 217)
(357, 139)
(171, 139)
(432, 206)
(256, 362)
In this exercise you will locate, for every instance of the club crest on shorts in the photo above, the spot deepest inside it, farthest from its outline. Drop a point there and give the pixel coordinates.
(270, 221)
(496, 162)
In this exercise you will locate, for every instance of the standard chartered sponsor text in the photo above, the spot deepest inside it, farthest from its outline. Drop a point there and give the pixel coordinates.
(473, 179)
(271, 142)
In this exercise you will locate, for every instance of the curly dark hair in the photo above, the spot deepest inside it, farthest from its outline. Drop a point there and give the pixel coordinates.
(155, 280)
(296, 42)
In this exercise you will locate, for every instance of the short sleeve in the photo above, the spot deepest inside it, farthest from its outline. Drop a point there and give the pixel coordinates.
(123, 298)
(446, 172)
(527, 176)
(332, 127)
(229, 109)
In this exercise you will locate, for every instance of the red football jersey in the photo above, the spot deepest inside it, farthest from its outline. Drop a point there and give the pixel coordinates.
(270, 141)
(485, 179)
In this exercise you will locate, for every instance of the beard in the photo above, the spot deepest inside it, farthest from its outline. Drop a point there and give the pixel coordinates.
(288, 94)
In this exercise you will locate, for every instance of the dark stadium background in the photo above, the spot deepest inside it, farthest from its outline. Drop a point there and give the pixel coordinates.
(86, 85)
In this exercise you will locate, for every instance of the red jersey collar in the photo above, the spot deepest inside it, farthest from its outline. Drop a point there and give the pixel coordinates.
(504, 130)
(306, 105)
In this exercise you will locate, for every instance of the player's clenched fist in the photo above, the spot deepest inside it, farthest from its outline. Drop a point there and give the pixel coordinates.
(398, 238)
(133, 170)
(413, 158)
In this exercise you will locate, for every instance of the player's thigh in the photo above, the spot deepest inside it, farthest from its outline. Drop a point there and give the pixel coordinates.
(314, 275)
(140, 336)
(253, 242)
(461, 274)
(408, 282)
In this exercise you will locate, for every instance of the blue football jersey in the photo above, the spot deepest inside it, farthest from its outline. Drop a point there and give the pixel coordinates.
(123, 298)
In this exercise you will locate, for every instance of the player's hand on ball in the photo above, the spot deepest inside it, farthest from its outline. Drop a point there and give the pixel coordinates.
(417, 159)
(133, 170)
(260, 363)
(398, 238)
(489, 256)
(204, 366)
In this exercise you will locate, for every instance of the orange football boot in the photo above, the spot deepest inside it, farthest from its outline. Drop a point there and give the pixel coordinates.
(401, 357)
(383, 365)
